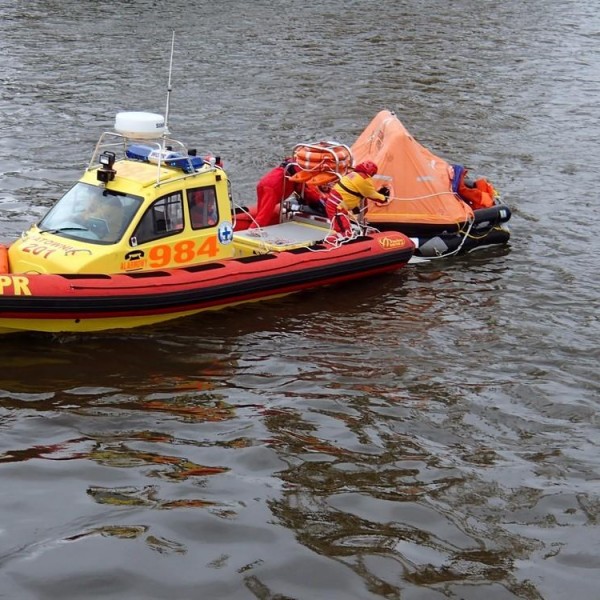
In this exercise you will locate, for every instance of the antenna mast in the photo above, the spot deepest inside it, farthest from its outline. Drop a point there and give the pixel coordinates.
(169, 87)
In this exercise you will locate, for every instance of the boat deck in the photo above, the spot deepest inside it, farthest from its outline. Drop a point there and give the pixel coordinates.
(283, 236)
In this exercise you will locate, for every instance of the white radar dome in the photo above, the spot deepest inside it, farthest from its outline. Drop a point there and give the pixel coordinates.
(141, 125)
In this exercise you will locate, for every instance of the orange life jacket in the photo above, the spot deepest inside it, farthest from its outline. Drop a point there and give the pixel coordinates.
(480, 196)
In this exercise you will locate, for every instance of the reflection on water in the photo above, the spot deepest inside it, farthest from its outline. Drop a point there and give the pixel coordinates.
(379, 501)
(428, 434)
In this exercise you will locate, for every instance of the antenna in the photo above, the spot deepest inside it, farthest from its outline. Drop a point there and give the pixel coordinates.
(166, 132)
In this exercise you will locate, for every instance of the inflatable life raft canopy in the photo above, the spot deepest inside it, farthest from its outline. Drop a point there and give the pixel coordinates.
(140, 125)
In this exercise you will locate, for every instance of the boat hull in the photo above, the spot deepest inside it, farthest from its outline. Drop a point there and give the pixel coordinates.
(448, 244)
(82, 303)
(488, 228)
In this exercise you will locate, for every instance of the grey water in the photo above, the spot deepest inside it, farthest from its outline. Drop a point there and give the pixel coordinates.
(428, 434)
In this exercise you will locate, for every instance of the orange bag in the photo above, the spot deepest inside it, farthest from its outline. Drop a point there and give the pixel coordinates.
(480, 196)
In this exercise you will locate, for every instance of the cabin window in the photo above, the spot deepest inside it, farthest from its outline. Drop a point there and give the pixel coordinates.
(163, 218)
(202, 206)
(91, 213)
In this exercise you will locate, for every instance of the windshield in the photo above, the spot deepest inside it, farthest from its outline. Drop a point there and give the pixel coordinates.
(91, 213)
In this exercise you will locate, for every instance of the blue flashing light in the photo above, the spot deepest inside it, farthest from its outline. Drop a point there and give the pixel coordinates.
(188, 164)
(183, 162)
(138, 152)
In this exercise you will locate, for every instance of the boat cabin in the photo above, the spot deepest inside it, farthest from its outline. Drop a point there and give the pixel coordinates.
(144, 202)
(147, 202)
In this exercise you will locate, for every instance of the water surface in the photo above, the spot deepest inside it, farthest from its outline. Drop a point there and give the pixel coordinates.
(429, 434)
